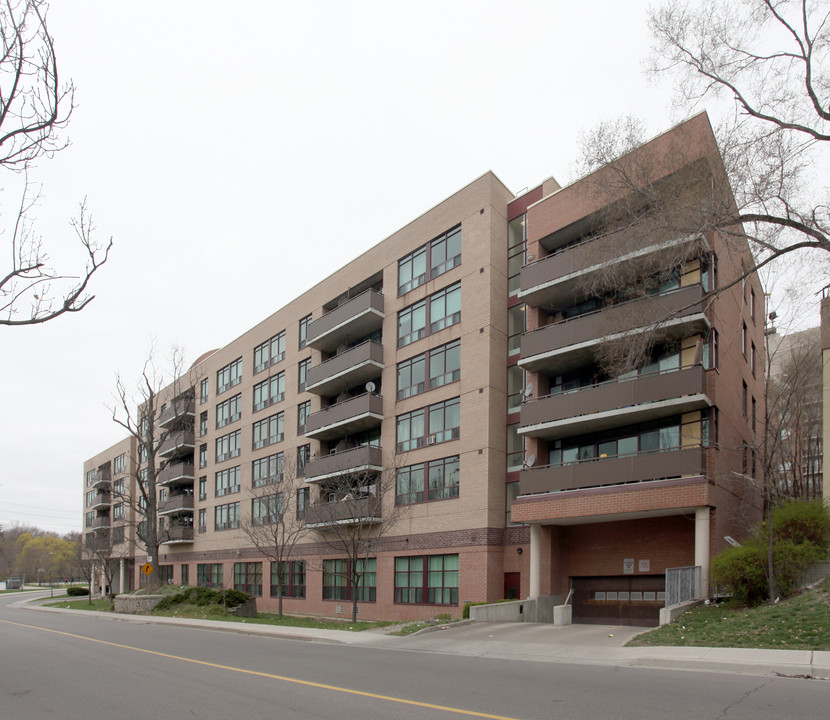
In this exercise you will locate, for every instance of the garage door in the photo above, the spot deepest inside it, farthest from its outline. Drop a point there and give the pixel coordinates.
(618, 600)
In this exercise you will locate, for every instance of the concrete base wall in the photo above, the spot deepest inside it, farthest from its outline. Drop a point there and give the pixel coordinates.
(136, 604)
(668, 614)
(537, 610)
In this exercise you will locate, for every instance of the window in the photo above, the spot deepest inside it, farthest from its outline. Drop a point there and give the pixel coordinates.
(117, 536)
(247, 577)
(428, 580)
(441, 254)
(267, 510)
(440, 366)
(203, 455)
(303, 501)
(515, 448)
(752, 303)
(229, 376)
(269, 353)
(118, 511)
(752, 359)
(209, 575)
(119, 465)
(268, 431)
(428, 426)
(515, 253)
(303, 456)
(744, 399)
(269, 391)
(292, 574)
(710, 351)
(226, 517)
(204, 393)
(303, 368)
(443, 309)
(435, 480)
(336, 574)
(202, 520)
(229, 411)
(304, 323)
(203, 487)
(516, 318)
(185, 574)
(303, 411)
(268, 470)
(515, 388)
(119, 487)
(754, 413)
(743, 339)
(166, 574)
(203, 424)
(228, 446)
(227, 481)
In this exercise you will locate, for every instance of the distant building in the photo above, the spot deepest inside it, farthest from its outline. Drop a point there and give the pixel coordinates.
(461, 354)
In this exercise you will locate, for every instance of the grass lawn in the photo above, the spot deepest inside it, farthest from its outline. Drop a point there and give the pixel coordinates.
(81, 604)
(798, 623)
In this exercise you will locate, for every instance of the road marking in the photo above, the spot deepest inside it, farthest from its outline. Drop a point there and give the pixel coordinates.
(296, 681)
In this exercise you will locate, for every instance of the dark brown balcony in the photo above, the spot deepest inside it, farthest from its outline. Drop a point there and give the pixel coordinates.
(175, 473)
(347, 369)
(614, 404)
(176, 503)
(613, 471)
(570, 343)
(177, 534)
(102, 477)
(355, 460)
(177, 444)
(101, 499)
(102, 521)
(346, 418)
(181, 408)
(98, 541)
(351, 320)
(345, 512)
(555, 280)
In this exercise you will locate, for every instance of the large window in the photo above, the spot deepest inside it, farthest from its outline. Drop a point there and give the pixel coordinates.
(269, 353)
(443, 309)
(336, 585)
(228, 411)
(203, 455)
(428, 580)
(228, 446)
(247, 577)
(226, 517)
(304, 323)
(516, 323)
(209, 575)
(227, 481)
(229, 376)
(440, 255)
(268, 470)
(203, 423)
(430, 425)
(303, 456)
(303, 411)
(269, 431)
(293, 578)
(434, 480)
(119, 465)
(302, 373)
(118, 511)
(515, 253)
(204, 391)
(429, 370)
(303, 501)
(203, 487)
(269, 391)
(266, 510)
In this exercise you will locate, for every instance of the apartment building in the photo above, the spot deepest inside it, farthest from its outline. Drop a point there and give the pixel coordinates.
(450, 375)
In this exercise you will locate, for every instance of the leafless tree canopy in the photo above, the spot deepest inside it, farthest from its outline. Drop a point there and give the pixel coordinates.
(35, 106)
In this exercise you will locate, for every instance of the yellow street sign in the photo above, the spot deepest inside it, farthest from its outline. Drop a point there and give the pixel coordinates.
(146, 568)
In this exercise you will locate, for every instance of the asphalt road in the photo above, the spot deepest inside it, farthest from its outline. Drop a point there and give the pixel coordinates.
(56, 665)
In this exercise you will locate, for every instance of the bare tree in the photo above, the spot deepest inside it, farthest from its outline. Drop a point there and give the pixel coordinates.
(97, 553)
(35, 105)
(274, 525)
(159, 416)
(769, 59)
(351, 514)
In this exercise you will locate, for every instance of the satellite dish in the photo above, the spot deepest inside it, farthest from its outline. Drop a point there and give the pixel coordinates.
(529, 389)
(370, 387)
(531, 460)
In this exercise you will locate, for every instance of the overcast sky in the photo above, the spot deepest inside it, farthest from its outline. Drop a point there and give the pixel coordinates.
(240, 153)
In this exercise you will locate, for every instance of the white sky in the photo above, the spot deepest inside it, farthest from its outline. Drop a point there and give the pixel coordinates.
(240, 153)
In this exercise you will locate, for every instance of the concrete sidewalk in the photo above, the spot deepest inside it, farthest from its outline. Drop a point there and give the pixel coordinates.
(572, 644)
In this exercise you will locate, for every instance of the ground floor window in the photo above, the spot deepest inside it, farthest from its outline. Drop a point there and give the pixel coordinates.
(166, 574)
(185, 574)
(209, 575)
(293, 579)
(247, 577)
(336, 579)
(427, 579)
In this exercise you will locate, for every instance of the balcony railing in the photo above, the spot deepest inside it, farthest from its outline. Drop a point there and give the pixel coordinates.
(102, 477)
(180, 471)
(615, 470)
(178, 409)
(354, 460)
(177, 444)
(570, 342)
(345, 418)
(102, 521)
(176, 503)
(344, 512)
(615, 403)
(353, 319)
(350, 368)
(178, 534)
(101, 499)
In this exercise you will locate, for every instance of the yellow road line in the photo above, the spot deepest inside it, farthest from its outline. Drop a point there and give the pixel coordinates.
(296, 681)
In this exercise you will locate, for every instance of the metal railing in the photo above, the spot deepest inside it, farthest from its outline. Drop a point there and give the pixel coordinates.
(682, 584)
